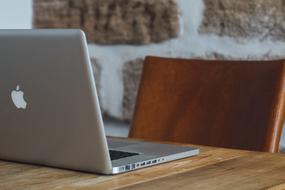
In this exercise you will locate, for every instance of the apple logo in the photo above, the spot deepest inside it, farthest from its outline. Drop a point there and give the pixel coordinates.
(18, 98)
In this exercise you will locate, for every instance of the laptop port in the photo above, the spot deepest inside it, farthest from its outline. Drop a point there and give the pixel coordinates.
(154, 161)
(121, 169)
(148, 162)
(133, 166)
(143, 163)
(128, 167)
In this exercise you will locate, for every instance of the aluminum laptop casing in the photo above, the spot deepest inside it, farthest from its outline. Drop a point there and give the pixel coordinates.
(61, 125)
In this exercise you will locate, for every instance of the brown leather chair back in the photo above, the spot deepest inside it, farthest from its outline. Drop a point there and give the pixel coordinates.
(234, 104)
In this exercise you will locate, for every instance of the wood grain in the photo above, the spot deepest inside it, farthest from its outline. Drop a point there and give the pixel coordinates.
(214, 168)
(233, 104)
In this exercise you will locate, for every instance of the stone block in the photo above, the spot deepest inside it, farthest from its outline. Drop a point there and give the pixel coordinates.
(112, 21)
(132, 72)
(55, 14)
(261, 19)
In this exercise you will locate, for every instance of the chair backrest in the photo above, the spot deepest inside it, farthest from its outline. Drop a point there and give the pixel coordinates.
(234, 104)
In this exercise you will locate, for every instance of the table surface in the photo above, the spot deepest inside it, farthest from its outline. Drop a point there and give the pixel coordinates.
(214, 168)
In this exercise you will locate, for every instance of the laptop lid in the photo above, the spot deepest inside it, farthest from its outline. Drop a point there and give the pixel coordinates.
(50, 113)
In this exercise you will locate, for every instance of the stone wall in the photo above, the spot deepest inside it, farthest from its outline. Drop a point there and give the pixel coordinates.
(260, 19)
(212, 29)
(216, 29)
(56, 14)
(132, 71)
(111, 21)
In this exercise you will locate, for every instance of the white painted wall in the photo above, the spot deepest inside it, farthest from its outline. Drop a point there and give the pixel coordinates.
(17, 14)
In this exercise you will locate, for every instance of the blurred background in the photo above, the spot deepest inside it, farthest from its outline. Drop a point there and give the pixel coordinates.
(122, 32)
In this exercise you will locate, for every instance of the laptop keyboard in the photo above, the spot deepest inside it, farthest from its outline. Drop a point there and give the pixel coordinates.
(115, 155)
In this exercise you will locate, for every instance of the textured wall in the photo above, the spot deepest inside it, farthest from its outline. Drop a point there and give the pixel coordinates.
(216, 29)
(132, 71)
(56, 14)
(263, 19)
(212, 29)
(112, 21)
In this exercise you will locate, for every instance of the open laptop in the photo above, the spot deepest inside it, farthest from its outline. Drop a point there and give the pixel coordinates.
(50, 113)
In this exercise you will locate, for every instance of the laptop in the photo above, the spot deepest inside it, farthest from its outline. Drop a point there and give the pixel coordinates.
(50, 113)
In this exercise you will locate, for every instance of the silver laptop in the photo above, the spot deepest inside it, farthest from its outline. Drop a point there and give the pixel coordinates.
(50, 113)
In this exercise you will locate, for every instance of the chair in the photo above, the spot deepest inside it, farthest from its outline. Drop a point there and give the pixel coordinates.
(233, 104)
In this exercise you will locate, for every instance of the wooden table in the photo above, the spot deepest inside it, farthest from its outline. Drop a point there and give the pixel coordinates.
(214, 168)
